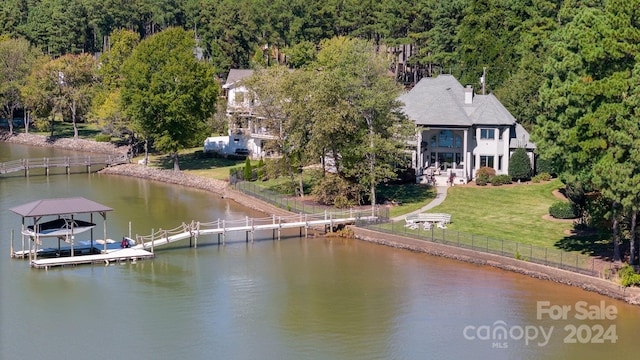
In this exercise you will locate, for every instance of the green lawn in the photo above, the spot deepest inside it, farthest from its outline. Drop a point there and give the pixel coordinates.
(506, 212)
(194, 161)
(65, 130)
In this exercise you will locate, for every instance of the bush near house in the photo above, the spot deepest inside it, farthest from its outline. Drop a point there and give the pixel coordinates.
(520, 165)
(500, 180)
(563, 210)
(484, 175)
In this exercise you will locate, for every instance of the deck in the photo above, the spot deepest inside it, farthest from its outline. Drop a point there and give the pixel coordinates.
(111, 256)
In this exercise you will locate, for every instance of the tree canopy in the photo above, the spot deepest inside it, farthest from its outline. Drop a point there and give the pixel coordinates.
(167, 92)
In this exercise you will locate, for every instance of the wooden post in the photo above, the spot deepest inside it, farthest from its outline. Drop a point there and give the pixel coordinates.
(11, 250)
(22, 240)
(197, 233)
(46, 166)
(331, 222)
(152, 233)
(306, 226)
(224, 234)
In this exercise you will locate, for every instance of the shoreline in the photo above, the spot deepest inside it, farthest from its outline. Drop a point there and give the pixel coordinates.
(604, 287)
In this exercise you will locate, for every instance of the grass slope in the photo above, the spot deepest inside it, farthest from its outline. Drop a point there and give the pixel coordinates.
(506, 212)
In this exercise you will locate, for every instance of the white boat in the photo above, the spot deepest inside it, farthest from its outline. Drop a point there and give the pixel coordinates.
(62, 227)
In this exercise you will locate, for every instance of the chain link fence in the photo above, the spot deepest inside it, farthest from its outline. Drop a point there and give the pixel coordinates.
(560, 259)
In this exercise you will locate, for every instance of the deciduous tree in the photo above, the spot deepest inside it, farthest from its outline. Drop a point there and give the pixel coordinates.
(17, 57)
(167, 92)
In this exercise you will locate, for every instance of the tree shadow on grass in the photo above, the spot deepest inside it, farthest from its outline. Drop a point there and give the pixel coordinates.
(405, 193)
(198, 161)
(589, 242)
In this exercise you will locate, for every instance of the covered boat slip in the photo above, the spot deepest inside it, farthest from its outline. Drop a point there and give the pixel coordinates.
(64, 228)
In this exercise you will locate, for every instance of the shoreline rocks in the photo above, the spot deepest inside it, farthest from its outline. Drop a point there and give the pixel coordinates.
(62, 143)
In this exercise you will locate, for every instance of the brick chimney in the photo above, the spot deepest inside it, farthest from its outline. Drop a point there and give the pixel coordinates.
(468, 95)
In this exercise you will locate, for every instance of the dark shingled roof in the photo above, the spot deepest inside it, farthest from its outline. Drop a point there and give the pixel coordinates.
(440, 101)
(61, 206)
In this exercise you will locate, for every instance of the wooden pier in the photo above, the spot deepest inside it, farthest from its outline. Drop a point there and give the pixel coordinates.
(191, 231)
(66, 162)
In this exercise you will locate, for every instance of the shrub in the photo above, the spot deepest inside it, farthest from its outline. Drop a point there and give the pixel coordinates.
(487, 172)
(260, 170)
(520, 165)
(628, 277)
(248, 171)
(541, 177)
(482, 180)
(484, 175)
(103, 138)
(500, 180)
(563, 210)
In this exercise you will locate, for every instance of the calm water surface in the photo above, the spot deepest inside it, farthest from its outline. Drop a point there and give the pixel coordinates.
(297, 298)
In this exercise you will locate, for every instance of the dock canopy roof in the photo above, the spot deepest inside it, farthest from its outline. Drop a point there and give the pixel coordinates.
(61, 206)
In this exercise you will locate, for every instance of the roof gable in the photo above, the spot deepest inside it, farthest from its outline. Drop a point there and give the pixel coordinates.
(236, 75)
(60, 206)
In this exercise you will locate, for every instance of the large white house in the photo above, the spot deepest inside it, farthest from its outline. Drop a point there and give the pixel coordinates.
(459, 131)
(247, 134)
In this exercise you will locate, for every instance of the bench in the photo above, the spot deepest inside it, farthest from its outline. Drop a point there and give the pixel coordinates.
(440, 218)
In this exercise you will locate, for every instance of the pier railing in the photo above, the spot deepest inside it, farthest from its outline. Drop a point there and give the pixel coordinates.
(560, 259)
(249, 225)
(66, 162)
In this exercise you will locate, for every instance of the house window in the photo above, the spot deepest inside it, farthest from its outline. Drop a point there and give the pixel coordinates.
(434, 142)
(458, 143)
(486, 161)
(500, 162)
(445, 139)
(487, 134)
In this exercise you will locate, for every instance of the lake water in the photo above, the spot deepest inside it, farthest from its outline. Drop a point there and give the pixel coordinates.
(314, 298)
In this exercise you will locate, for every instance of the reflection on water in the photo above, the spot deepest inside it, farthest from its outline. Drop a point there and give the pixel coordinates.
(316, 298)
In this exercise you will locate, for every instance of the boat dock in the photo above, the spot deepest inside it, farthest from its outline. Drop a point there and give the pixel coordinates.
(143, 247)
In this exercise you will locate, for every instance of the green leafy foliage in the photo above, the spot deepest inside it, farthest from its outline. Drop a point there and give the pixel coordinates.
(541, 177)
(628, 276)
(167, 92)
(248, 170)
(520, 165)
(500, 180)
(563, 210)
